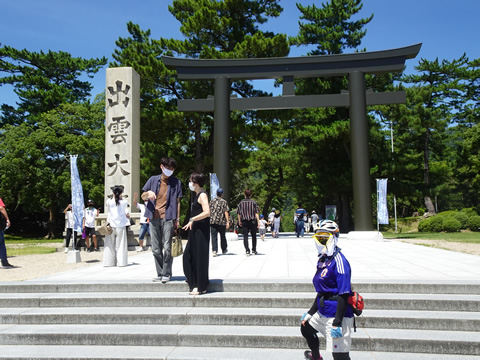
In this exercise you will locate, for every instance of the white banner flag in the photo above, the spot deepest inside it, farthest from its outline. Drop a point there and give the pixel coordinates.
(214, 185)
(382, 210)
(77, 194)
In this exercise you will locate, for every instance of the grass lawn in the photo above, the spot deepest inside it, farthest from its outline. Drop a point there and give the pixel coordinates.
(18, 246)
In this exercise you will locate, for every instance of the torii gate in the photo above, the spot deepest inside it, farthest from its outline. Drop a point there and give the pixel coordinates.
(355, 66)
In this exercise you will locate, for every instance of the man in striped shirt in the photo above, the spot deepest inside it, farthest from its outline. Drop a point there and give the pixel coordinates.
(248, 219)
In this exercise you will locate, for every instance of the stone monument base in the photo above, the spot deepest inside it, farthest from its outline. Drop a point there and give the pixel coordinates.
(73, 257)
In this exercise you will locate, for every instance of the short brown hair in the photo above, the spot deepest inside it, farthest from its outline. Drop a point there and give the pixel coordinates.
(248, 193)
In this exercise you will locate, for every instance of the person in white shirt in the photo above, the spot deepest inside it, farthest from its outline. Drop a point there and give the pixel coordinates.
(144, 223)
(262, 227)
(270, 221)
(90, 213)
(70, 225)
(115, 252)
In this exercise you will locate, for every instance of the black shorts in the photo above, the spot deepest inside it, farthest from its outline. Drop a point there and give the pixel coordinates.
(89, 231)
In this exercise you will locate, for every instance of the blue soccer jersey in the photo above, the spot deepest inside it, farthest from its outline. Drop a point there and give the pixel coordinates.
(333, 277)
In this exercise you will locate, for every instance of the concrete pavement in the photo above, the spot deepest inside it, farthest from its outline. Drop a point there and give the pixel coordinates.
(289, 258)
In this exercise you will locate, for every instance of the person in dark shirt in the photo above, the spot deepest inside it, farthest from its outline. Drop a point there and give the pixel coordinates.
(330, 314)
(248, 218)
(163, 211)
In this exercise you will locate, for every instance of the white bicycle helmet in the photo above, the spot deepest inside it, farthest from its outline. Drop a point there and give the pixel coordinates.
(326, 237)
(329, 226)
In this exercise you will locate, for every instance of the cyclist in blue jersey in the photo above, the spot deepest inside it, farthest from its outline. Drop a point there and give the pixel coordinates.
(330, 314)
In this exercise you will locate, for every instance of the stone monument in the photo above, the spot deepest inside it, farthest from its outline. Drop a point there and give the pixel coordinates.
(122, 132)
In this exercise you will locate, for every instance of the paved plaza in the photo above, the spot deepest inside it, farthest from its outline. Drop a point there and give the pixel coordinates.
(289, 258)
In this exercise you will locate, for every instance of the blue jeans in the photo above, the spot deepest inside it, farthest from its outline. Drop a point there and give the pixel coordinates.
(3, 249)
(300, 228)
(144, 228)
(161, 232)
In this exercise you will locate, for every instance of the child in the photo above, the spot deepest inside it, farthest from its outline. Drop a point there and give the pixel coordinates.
(262, 227)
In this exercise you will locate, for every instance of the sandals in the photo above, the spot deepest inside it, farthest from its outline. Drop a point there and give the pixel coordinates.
(196, 292)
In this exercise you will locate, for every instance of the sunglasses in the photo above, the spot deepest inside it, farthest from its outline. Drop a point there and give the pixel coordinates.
(322, 237)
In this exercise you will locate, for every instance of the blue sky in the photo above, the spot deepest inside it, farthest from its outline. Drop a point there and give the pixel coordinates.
(89, 28)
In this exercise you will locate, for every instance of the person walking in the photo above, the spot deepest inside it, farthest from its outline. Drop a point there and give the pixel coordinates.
(144, 227)
(90, 214)
(163, 210)
(314, 220)
(330, 314)
(248, 218)
(196, 253)
(276, 223)
(299, 220)
(115, 252)
(262, 227)
(5, 225)
(219, 222)
(70, 225)
(271, 216)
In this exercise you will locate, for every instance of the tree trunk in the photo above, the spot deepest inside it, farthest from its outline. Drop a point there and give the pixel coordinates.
(429, 205)
(426, 175)
(343, 215)
(51, 223)
(199, 166)
(274, 190)
(426, 167)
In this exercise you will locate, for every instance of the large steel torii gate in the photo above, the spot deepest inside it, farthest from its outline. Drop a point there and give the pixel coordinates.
(355, 66)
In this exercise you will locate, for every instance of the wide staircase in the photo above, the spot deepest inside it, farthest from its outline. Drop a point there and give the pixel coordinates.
(235, 320)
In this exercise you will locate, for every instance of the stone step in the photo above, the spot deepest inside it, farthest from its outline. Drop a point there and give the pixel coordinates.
(271, 337)
(178, 285)
(399, 319)
(449, 302)
(57, 352)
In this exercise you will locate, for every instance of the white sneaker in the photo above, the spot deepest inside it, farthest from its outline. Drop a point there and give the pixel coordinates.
(214, 253)
(140, 249)
(66, 250)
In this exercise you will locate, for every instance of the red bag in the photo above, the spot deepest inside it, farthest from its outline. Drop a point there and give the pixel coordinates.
(356, 300)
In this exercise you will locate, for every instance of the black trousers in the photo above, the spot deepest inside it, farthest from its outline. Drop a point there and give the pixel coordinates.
(250, 226)
(214, 230)
(69, 235)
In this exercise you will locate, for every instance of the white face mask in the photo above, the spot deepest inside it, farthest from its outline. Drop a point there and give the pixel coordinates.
(167, 172)
(191, 186)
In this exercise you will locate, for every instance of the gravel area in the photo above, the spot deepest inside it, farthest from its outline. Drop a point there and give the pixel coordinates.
(29, 267)
(473, 249)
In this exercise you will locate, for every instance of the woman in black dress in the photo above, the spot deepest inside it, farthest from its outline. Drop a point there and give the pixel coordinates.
(196, 253)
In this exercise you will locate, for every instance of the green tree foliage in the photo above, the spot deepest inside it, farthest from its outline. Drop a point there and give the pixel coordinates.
(429, 134)
(212, 30)
(52, 119)
(34, 166)
(324, 165)
(43, 81)
(331, 28)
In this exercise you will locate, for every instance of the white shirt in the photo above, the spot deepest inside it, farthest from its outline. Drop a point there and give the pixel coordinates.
(90, 214)
(271, 216)
(143, 219)
(70, 219)
(117, 215)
